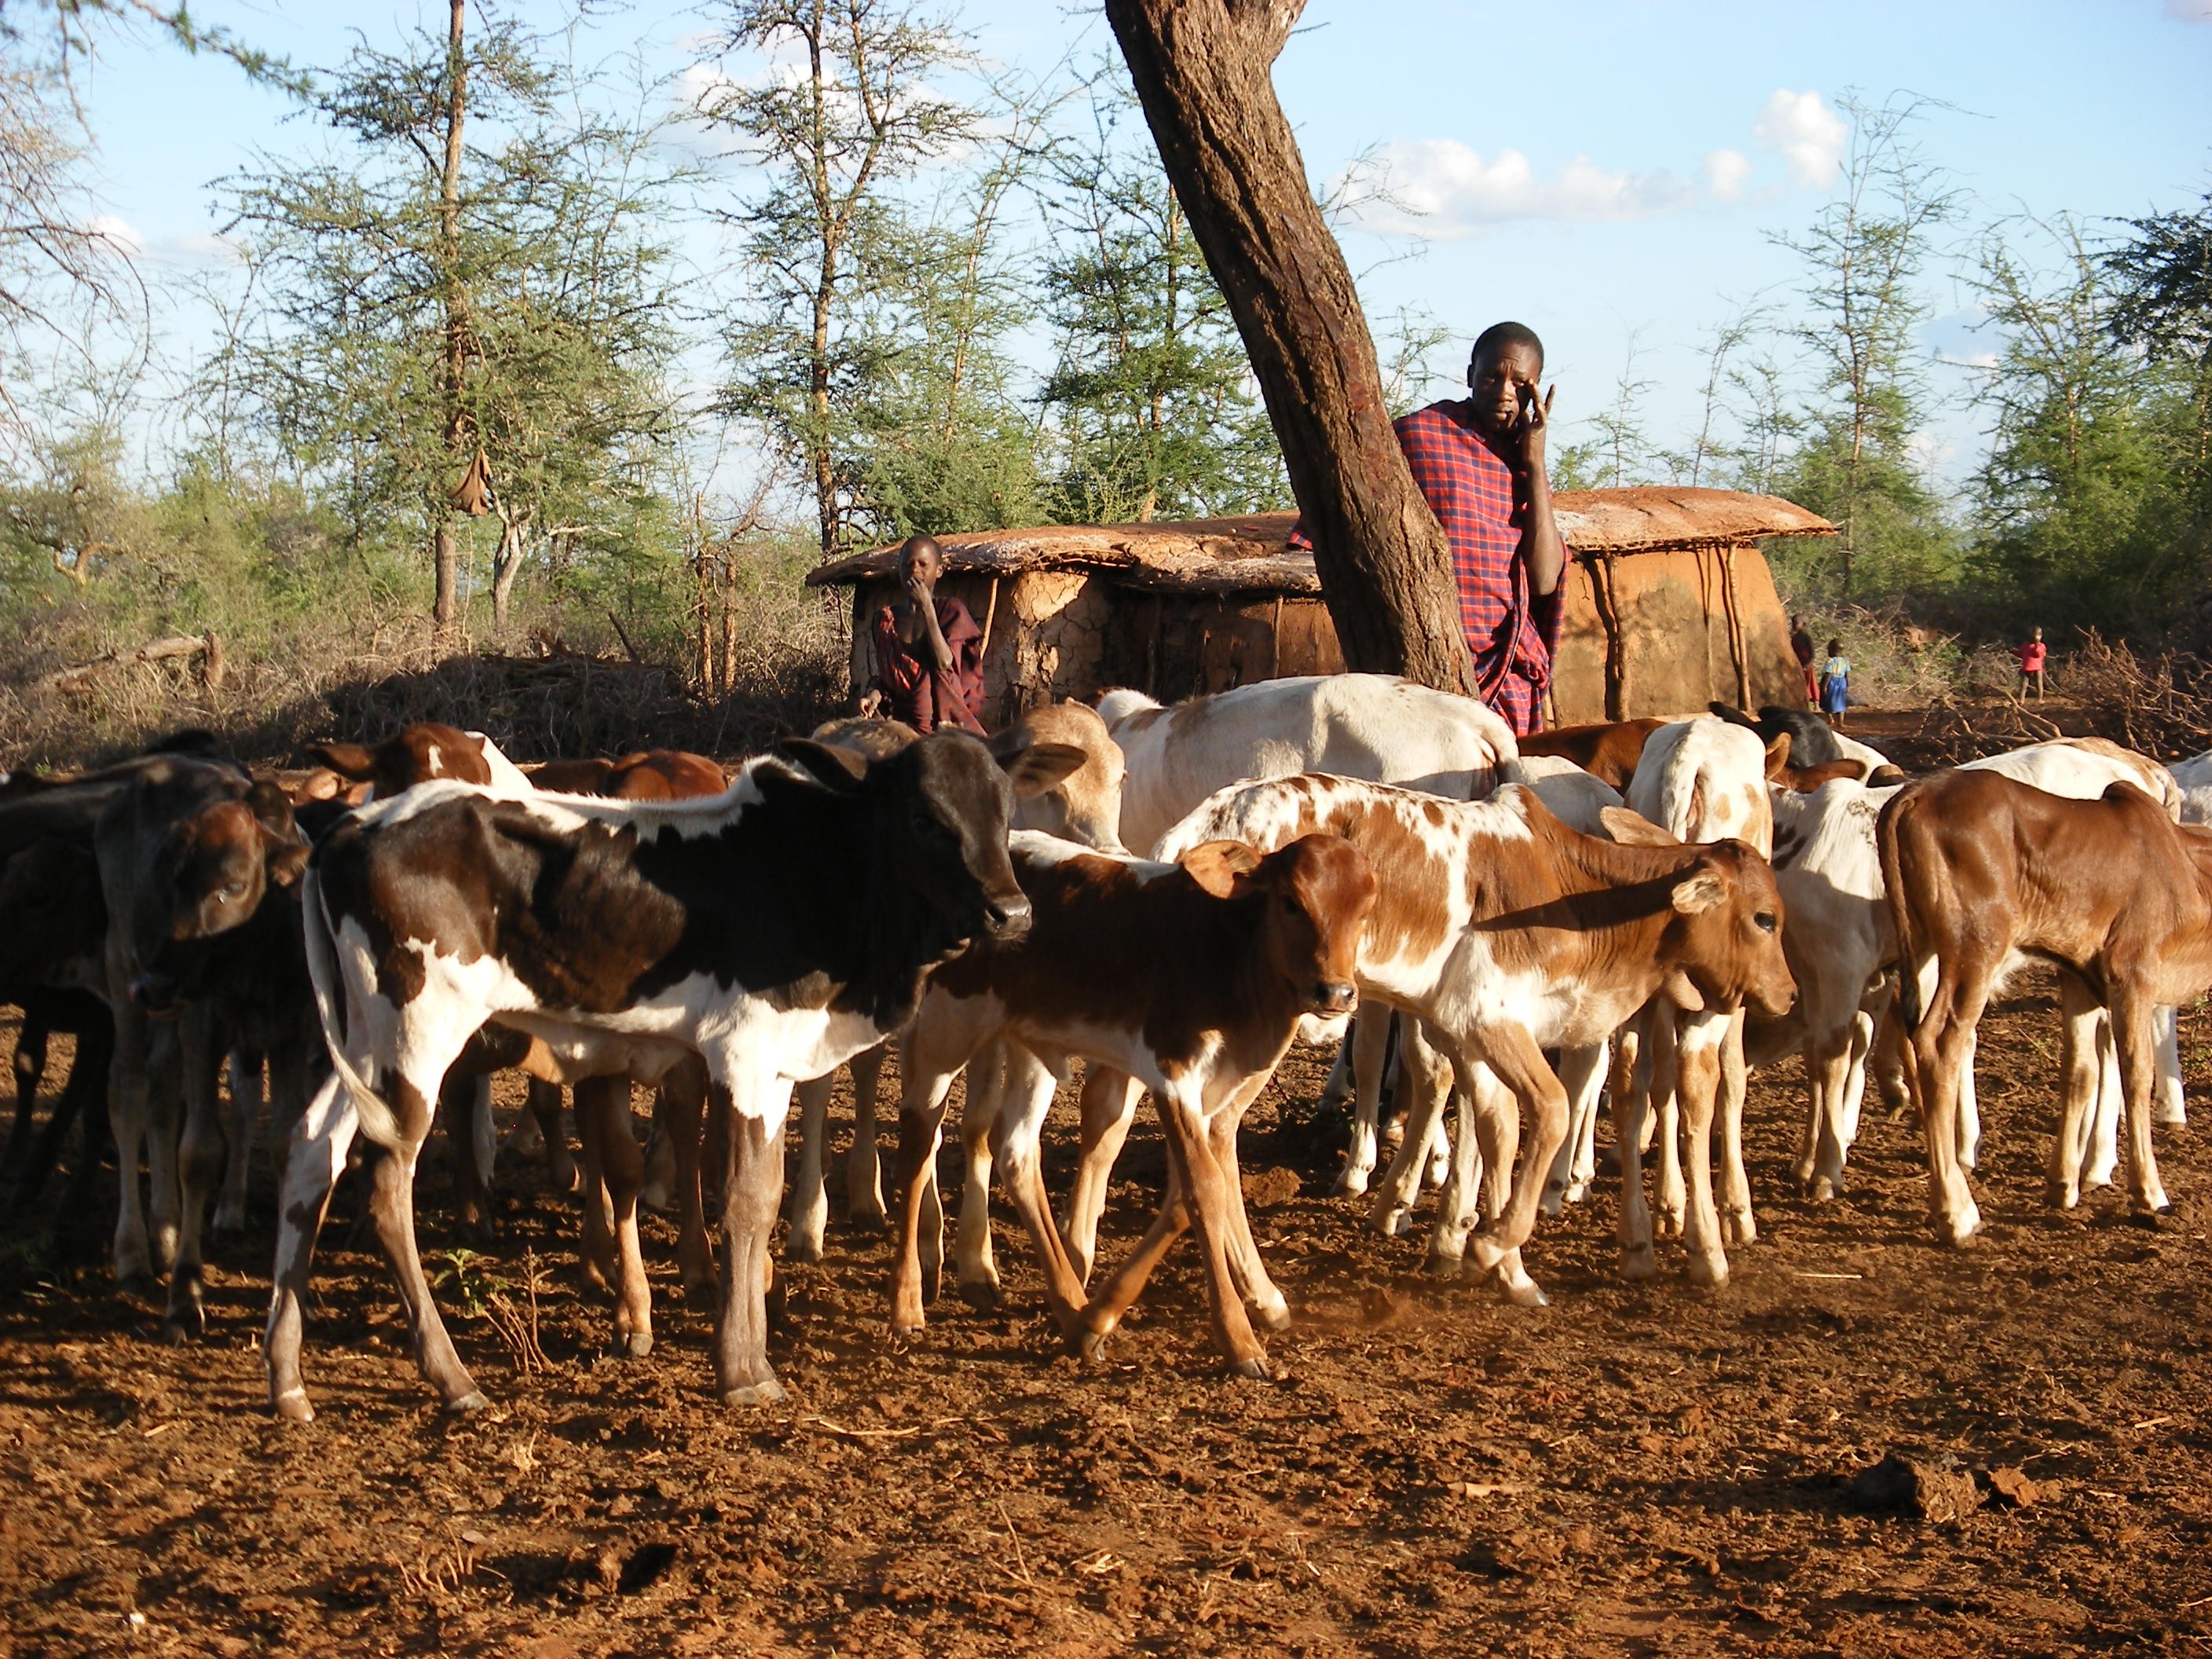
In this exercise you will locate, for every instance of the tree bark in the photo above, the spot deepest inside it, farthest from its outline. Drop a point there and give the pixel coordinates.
(445, 604)
(506, 565)
(1202, 70)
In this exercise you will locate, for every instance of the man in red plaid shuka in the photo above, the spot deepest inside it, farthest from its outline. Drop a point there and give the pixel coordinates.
(1479, 465)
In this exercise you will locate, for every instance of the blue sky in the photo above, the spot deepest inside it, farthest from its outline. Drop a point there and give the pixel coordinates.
(1600, 169)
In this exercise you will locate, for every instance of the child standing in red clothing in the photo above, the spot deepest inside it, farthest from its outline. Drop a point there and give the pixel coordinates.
(2032, 655)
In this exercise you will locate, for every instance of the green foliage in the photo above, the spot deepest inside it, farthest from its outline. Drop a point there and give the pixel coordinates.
(535, 325)
(1151, 402)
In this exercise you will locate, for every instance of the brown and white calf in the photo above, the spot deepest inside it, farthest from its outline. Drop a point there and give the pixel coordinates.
(1189, 978)
(1505, 932)
(1608, 751)
(1066, 776)
(425, 752)
(1700, 780)
(773, 930)
(1984, 873)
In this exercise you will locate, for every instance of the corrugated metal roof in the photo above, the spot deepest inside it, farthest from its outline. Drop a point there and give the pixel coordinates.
(1252, 554)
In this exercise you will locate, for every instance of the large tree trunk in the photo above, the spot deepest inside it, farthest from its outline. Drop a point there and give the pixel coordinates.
(1202, 70)
(445, 599)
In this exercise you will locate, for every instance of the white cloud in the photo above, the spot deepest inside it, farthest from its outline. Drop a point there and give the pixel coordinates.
(192, 251)
(1726, 171)
(1809, 136)
(1443, 189)
(2189, 11)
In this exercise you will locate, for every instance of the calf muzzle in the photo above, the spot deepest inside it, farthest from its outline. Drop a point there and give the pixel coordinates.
(1006, 919)
(1330, 997)
(155, 995)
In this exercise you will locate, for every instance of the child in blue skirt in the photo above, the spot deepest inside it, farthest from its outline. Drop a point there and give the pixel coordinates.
(1836, 684)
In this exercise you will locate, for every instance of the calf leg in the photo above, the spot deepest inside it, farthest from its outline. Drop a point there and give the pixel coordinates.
(1737, 1224)
(544, 1100)
(1670, 1199)
(1108, 1103)
(246, 1096)
(30, 1068)
(1704, 1038)
(1654, 1043)
(200, 1168)
(1246, 1265)
(391, 1171)
(1425, 1083)
(1510, 1051)
(83, 1097)
(678, 1107)
(315, 1158)
(128, 1105)
(864, 1179)
(1370, 1046)
(1828, 1072)
(603, 1122)
(1458, 1206)
(1023, 1101)
(2102, 1153)
(1943, 1049)
(2084, 1038)
(1191, 1154)
(2134, 1033)
(2173, 1110)
(752, 1179)
(1582, 1073)
(977, 1273)
(807, 1211)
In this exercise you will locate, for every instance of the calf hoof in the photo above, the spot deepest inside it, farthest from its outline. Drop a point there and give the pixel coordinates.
(2172, 1114)
(1255, 1368)
(1091, 1346)
(1351, 1183)
(1958, 1231)
(868, 1220)
(1445, 1267)
(2151, 1220)
(1394, 1223)
(1738, 1228)
(802, 1247)
(135, 1281)
(981, 1294)
(1821, 1189)
(292, 1407)
(1526, 1294)
(2057, 1195)
(747, 1394)
(1275, 1315)
(1639, 1262)
(1666, 1224)
(469, 1403)
(1711, 1272)
(229, 1220)
(635, 1345)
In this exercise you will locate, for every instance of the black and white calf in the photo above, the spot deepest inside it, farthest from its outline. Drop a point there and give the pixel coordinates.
(775, 930)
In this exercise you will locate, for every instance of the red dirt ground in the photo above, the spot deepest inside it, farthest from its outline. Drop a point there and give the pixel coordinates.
(1645, 1469)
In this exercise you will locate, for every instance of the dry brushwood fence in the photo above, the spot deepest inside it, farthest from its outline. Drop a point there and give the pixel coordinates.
(560, 702)
(2156, 703)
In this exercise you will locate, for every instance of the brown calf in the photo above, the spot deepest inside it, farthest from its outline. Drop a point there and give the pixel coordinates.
(1608, 751)
(1189, 978)
(1983, 873)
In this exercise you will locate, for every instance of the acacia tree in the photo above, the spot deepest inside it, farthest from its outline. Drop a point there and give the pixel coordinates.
(1202, 70)
(1864, 256)
(856, 113)
(458, 326)
(1151, 395)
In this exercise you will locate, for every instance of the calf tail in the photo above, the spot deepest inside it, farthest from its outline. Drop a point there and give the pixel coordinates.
(378, 1120)
(1901, 916)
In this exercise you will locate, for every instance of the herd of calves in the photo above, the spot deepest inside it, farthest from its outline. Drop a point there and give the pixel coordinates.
(1637, 912)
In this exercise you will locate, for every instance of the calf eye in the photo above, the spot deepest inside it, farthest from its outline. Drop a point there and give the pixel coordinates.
(1764, 922)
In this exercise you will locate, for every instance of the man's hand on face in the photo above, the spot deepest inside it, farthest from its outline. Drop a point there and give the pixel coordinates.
(918, 587)
(1535, 420)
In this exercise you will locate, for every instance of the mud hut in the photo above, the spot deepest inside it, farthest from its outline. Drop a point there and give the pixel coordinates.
(1669, 604)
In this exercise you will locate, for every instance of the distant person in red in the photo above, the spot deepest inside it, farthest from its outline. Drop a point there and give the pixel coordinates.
(1479, 464)
(1801, 646)
(929, 652)
(2032, 656)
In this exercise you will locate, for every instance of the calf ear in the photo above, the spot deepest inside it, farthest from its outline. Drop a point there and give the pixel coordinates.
(1678, 990)
(287, 861)
(1222, 868)
(269, 803)
(1038, 766)
(1699, 888)
(348, 760)
(1778, 757)
(1633, 828)
(840, 769)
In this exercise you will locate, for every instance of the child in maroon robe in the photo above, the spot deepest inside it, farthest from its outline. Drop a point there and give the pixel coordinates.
(929, 652)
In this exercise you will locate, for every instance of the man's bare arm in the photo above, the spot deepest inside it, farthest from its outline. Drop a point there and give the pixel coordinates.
(1541, 549)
